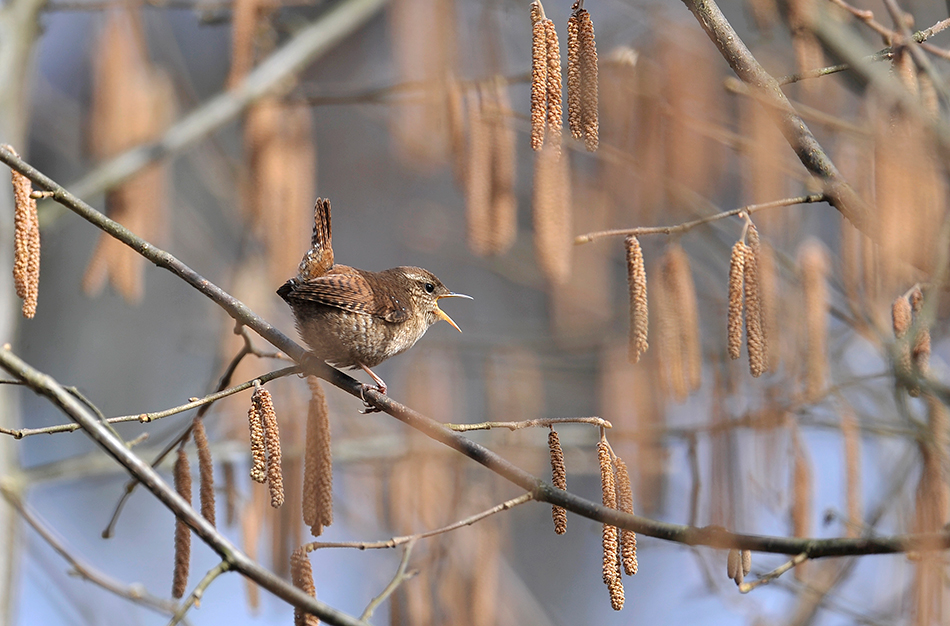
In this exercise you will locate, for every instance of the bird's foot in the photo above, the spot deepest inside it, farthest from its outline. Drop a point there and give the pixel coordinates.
(367, 407)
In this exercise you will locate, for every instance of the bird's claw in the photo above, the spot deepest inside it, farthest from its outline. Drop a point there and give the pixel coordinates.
(367, 407)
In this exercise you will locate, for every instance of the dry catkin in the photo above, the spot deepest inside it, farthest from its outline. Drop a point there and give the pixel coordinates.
(205, 470)
(318, 463)
(301, 573)
(683, 294)
(559, 480)
(736, 269)
(478, 187)
(756, 341)
(814, 266)
(768, 295)
(275, 478)
(734, 566)
(746, 562)
(801, 494)
(852, 470)
(639, 311)
(668, 335)
(539, 75)
(921, 350)
(901, 318)
(455, 118)
(551, 212)
(26, 239)
(589, 89)
(258, 451)
(554, 84)
(573, 79)
(503, 223)
(611, 565)
(182, 532)
(628, 538)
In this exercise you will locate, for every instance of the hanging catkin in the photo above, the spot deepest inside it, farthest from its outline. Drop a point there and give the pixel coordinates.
(639, 312)
(559, 480)
(736, 273)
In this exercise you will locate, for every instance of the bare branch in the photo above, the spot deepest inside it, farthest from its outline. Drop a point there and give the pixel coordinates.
(237, 560)
(793, 127)
(133, 593)
(542, 422)
(685, 226)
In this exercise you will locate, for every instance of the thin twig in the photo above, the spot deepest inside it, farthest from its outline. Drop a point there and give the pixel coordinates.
(542, 422)
(133, 593)
(194, 598)
(397, 580)
(20, 433)
(398, 541)
(775, 573)
(685, 226)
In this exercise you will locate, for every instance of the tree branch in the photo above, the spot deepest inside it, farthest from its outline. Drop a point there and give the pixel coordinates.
(47, 386)
(793, 127)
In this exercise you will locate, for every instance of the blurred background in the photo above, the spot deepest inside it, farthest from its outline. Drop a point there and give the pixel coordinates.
(413, 119)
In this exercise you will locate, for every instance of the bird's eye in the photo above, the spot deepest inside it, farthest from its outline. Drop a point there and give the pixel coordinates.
(429, 287)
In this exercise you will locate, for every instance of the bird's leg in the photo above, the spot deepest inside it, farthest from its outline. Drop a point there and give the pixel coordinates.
(380, 387)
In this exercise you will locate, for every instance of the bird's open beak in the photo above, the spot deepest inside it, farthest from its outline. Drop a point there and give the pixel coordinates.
(442, 313)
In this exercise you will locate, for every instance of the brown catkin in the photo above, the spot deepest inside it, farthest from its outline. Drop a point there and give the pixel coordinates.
(205, 470)
(26, 242)
(589, 88)
(258, 452)
(901, 318)
(551, 213)
(574, 79)
(318, 463)
(558, 479)
(554, 84)
(275, 478)
(801, 494)
(503, 223)
(455, 118)
(736, 274)
(301, 573)
(852, 470)
(756, 341)
(768, 296)
(734, 566)
(611, 565)
(683, 294)
(539, 75)
(921, 349)
(746, 562)
(628, 538)
(478, 185)
(182, 532)
(814, 266)
(639, 311)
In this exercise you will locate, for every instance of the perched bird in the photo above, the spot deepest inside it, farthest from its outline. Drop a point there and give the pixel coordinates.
(355, 318)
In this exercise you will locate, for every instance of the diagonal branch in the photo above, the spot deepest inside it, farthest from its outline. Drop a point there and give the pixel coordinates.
(842, 196)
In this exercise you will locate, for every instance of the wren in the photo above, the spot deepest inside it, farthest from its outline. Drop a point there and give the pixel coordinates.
(354, 318)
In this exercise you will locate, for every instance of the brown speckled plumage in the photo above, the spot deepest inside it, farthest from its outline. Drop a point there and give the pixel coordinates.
(355, 318)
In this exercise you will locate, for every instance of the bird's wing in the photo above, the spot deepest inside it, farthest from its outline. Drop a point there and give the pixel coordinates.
(350, 290)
